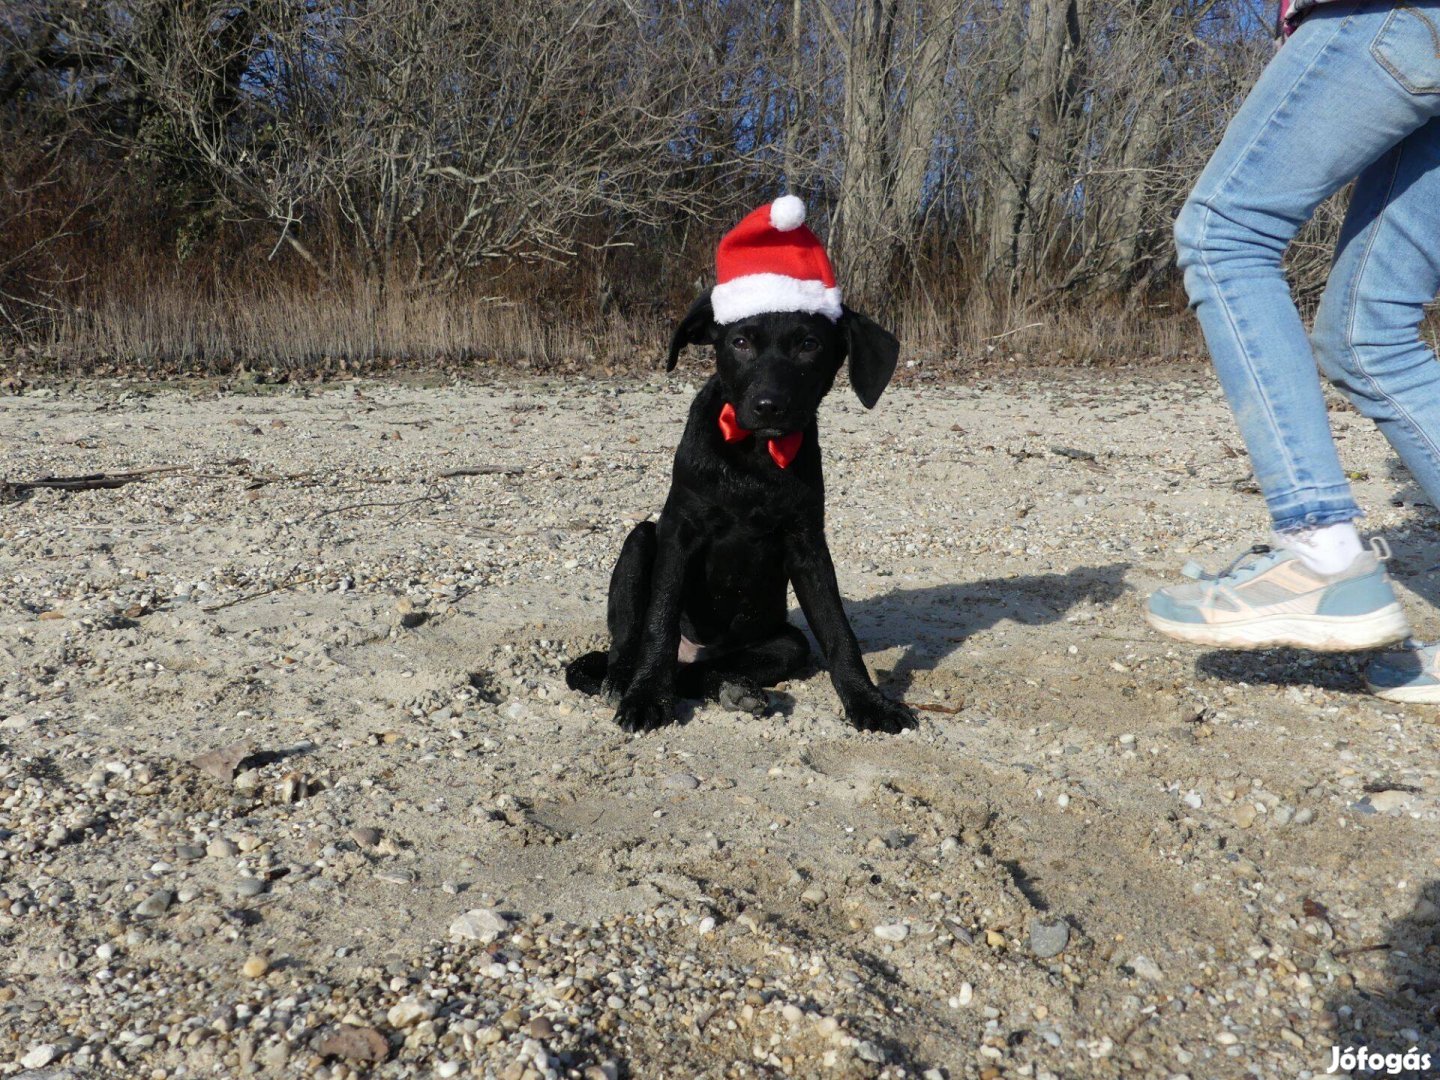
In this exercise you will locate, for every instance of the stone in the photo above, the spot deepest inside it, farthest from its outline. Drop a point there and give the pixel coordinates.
(1386, 802)
(681, 782)
(365, 836)
(250, 886)
(1048, 939)
(255, 967)
(892, 932)
(1144, 967)
(39, 1056)
(479, 924)
(156, 904)
(221, 764)
(354, 1044)
(410, 1012)
(220, 848)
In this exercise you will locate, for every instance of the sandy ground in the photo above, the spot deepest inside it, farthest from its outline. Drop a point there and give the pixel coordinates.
(1242, 848)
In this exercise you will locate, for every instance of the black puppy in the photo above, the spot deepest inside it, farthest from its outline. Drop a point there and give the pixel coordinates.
(698, 599)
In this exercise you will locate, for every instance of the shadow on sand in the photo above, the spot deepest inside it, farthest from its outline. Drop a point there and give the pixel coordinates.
(932, 622)
(1402, 1014)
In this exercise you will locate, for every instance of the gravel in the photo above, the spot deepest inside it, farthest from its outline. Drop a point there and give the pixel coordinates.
(273, 728)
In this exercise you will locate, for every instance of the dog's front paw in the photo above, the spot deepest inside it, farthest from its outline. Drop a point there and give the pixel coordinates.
(617, 682)
(876, 712)
(644, 712)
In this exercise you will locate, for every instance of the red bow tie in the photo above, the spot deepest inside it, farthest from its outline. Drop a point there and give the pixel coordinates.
(782, 450)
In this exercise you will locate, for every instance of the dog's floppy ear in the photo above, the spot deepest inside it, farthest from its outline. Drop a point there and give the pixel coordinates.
(874, 352)
(696, 328)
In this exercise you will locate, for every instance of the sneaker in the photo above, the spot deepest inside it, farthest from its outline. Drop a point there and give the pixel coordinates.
(1411, 674)
(1269, 597)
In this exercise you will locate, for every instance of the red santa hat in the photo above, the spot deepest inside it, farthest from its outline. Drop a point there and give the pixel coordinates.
(772, 262)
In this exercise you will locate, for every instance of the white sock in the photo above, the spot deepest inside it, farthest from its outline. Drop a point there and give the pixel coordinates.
(1326, 550)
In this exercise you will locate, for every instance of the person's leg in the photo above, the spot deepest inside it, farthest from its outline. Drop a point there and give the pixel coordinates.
(1387, 268)
(1323, 110)
(1328, 106)
(1367, 339)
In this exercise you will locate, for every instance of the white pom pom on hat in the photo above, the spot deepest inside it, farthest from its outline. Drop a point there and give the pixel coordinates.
(787, 212)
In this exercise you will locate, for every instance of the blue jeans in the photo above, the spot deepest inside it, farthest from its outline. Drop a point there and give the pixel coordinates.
(1354, 94)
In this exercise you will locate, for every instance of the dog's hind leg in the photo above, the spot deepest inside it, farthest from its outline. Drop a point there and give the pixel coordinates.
(738, 678)
(609, 673)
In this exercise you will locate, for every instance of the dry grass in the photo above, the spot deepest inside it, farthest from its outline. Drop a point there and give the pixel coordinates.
(164, 323)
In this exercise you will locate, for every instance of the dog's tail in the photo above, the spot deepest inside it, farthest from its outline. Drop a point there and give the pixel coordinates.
(587, 674)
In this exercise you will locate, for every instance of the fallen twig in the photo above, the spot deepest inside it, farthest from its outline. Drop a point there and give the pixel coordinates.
(264, 592)
(949, 710)
(88, 482)
(484, 470)
(1379, 946)
(367, 505)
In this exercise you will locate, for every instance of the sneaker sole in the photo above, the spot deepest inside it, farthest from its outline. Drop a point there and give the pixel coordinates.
(1408, 695)
(1318, 633)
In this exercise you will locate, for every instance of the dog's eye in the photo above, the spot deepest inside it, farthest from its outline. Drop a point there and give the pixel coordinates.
(809, 345)
(740, 344)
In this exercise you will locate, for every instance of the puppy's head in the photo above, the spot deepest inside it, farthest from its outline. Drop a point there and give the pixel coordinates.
(775, 368)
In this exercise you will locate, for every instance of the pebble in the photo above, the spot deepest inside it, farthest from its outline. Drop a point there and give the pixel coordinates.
(221, 848)
(1048, 939)
(354, 1043)
(365, 836)
(479, 924)
(681, 781)
(1386, 802)
(39, 1056)
(254, 967)
(892, 932)
(250, 886)
(410, 1012)
(1144, 967)
(157, 903)
(396, 875)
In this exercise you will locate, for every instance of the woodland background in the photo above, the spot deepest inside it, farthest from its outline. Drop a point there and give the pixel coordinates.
(296, 184)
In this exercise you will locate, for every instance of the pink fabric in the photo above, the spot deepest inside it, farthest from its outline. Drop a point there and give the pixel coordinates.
(1292, 11)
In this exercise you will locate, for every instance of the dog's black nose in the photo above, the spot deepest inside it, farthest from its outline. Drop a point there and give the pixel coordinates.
(767, 408)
